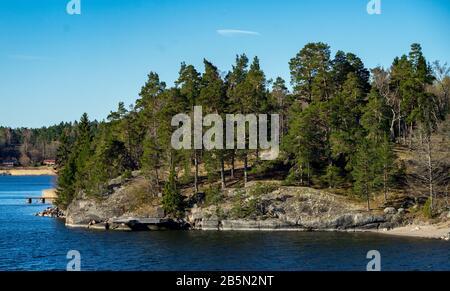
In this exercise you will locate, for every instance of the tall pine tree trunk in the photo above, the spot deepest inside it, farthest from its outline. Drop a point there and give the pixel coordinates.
(366, 188)
(410, 135)
(330, 181)
(385, 183)
(222, 172)
(405, 133)
(399, 124)
(232, 166)
(309, 174)
(245, 169)
(301, 174)
(368, 202)
(196, 171)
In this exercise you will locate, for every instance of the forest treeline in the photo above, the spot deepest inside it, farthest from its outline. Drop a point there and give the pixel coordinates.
(339, 126)
(30, 147)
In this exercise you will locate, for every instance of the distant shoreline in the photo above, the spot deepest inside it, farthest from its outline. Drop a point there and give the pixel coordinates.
(40, 171)
(49, 193)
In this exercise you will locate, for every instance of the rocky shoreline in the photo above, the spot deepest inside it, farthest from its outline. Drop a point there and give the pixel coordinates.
(52, 212)
(257, 207)
(374, 224)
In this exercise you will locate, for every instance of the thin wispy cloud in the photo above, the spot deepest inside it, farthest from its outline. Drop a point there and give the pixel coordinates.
(27, 57)
(237, 32)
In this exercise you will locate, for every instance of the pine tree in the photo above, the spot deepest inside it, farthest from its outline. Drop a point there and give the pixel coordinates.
(64, 150)
(213, 98)
(66, 183)
(172, 199)
(83, 152)
(364, 171)
(149, 106)
(375, 122)
(376, 117)
(73, 175)
(260, 94)
(386, 167)
(237, 91)
(108, 161)
(344, 112)
(401, 83)
(281, 103)
(426, 111)
(346, 63)
(189, 84)
(306, 141)
(310, 73)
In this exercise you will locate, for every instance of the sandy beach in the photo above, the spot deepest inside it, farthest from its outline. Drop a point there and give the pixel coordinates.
(432, 231)
(41, 171)
(49, 193)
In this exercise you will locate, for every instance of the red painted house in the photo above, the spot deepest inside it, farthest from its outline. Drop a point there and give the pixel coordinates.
(49, 162)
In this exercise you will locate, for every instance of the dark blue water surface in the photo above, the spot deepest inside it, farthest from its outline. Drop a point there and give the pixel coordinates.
(34, 243)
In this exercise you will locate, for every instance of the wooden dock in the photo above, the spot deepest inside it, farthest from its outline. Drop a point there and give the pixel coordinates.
(47, 195)
(41, 199)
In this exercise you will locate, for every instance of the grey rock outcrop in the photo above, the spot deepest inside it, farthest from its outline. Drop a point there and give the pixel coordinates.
(124, 200)
(53, 212)
(292, 208)
(390, 210)
(280, 208)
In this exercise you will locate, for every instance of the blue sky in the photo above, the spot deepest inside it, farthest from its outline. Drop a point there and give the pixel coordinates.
(55, 66)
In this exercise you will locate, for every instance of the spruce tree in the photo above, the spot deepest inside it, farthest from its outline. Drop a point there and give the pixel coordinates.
(344, 112)
(386, 164)
(149, 106)
(365, 170)
(172, 199)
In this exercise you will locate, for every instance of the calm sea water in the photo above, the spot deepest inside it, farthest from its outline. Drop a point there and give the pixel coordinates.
(34, 243)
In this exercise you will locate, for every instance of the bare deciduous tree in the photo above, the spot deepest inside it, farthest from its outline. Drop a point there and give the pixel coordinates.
(431, 165)
(381, 80)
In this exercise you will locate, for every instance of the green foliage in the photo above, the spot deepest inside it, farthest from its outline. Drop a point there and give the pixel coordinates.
(262, 189)
(345, 113)
(74, 174)
(127, 174)
(310, 72)
(31, 146)
(376, 117)
(306, 141)
(246, 209)
(365, 170)
(213, 195)
(346, 63)
(333, 176)
(172, 199)
(336, 127)
(66, 183)
(265, 167)
(249, 206)
(427, 209)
